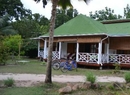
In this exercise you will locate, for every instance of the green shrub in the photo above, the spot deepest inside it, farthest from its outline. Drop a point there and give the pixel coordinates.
(91, 77)
(3, 54)
(127, 77)
(111, 87)
(9, 82)
(117, 67)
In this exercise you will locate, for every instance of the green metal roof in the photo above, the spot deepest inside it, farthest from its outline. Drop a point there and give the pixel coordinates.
(83, 25)
(118, 29)
(80, 25)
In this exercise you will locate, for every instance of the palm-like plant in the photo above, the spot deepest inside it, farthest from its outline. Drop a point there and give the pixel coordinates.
(64, 4)
(5, 26)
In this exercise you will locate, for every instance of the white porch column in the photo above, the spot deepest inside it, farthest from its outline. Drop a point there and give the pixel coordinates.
(45, 48)
(59, 50)
(107, 52)
(77, 52)
(99, 52)
(56, 46)
(38, 48)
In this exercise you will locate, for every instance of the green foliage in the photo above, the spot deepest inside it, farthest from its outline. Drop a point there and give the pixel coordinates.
(107, 14)
(31, 26)
(63, 4)
(127, 11)
(29, 44)
(3, 54)
(91, 77)
(117, 67)
(111, 87)
(13, 43)
(5, 26)
(64, 16)
(22, 53)
(9, 82)
(127, 77)
(41, 20)
(14, 8)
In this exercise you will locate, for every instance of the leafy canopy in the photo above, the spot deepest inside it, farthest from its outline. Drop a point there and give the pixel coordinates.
(105, 14)
(6, 27)
(13, 42)
(63, 16)
(14, 8)
(61, 3)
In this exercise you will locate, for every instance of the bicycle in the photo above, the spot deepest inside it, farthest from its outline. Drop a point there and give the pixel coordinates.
(56, 64)
(64, 65)
(68, 66)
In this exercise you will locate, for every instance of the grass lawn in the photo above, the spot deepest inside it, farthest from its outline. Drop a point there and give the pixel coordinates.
(34, 66)
(22, 91)
(37, 90)
(53, 90)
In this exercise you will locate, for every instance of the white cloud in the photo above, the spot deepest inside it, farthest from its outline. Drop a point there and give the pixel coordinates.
(117, 5)
(37, 7)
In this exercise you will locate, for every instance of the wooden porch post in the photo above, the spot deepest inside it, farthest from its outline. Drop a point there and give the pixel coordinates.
(99, 52)
(45, 48)
(59, 50)
(107, 52)
(38, 48)
(77, 52)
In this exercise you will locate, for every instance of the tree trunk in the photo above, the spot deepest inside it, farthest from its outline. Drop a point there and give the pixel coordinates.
(48, 78)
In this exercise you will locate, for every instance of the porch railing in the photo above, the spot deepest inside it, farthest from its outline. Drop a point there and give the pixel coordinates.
(41, 53)
(88, 57)
(55, 55)
(119, 58)
(111, 58)
(93, 57)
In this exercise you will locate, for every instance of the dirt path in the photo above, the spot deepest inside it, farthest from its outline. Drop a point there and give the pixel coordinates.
(31, 79)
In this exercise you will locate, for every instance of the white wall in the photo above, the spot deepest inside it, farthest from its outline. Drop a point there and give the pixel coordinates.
(112, 51)
(63, 49)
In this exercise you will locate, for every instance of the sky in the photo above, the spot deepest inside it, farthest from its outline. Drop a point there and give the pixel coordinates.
(117, 5)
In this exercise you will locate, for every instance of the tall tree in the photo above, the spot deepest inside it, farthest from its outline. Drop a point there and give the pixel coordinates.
(127, 11)
(14, 8)
(13, 42)
(6, 27)
(107, 14)
(55, 3)
(62, 16)
(28, 28)
(31, 26)
(3, 53)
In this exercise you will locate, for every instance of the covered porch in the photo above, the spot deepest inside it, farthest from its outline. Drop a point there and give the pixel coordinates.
(82, 49)
(89, 51)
